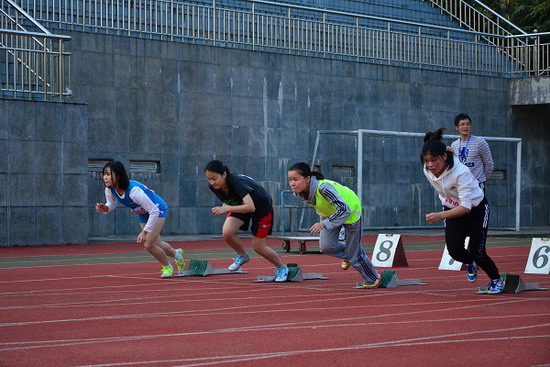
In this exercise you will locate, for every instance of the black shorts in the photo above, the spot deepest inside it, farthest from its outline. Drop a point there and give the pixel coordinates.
(262, 222)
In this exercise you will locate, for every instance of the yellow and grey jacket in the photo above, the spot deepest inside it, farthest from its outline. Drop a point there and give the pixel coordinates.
(333, 200)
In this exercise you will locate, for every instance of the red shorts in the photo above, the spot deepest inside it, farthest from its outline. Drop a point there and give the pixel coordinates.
(262, 223)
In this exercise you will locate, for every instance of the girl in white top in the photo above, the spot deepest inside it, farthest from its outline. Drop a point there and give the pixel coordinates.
(465, 208)
(150, 209)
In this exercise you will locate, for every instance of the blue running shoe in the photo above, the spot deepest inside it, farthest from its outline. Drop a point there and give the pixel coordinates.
(282, 274)
(239, 260)
(472, 272)
(496, 286)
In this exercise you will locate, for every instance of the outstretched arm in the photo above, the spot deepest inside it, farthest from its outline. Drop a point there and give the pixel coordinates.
(246, 207)
(109, 205)
(456, 212)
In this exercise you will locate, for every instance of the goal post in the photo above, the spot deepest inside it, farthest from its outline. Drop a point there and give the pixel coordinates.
(361, 133)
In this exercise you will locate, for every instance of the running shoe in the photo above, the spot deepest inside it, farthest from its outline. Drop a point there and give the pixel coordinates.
(282, 274)
(167, 271)
(239, 260)
(496, 286)
(345, 264)
(472, 272)
(372, 285)
(181, 262)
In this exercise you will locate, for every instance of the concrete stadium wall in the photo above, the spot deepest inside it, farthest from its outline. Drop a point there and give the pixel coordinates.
(43, 173)
(183, 105)
(532, 124)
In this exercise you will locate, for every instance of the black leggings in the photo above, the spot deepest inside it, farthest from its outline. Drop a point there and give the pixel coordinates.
(474, 224)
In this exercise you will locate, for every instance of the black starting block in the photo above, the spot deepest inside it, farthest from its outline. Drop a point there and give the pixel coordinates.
(295, 274)
(391, 280)
(203, 268)
(514, 284)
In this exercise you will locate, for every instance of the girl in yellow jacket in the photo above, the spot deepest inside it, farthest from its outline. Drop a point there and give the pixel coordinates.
(338, 207)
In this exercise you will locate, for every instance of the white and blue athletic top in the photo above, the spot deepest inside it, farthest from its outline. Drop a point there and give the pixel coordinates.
(141, 200)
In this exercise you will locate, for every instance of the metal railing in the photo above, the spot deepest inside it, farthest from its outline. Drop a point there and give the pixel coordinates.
(475, 20)
(322, 33)
(534, 60)
(33, 65)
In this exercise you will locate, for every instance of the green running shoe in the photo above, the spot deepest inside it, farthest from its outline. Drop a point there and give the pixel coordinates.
(180, 263)
(167, 271)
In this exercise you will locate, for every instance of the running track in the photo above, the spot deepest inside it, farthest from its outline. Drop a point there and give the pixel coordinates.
(105, 305)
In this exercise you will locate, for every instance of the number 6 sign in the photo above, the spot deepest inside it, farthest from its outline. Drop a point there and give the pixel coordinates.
(538, 261)
(389, 251)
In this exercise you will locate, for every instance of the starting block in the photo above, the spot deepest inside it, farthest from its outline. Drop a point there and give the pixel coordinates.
(295, 274)
(391, 280)
(203, 268)
(514, 284)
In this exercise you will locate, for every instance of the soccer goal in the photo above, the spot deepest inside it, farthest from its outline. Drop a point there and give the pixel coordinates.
(384, 169)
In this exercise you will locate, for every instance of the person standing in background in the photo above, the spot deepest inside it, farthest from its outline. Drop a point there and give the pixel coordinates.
(472, 151)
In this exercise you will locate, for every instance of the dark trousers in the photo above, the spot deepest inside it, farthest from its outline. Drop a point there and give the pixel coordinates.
(474, 224)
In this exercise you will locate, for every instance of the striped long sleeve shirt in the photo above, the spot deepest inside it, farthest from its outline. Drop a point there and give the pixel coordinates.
(476, 155)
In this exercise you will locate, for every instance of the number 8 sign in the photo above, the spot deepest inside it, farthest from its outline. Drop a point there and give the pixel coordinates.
(389, 251)
(538, 261)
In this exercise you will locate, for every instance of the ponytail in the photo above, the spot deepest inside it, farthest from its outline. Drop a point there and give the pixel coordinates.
(434, 146)
(218, 167)
(434, 135)
(303, 169)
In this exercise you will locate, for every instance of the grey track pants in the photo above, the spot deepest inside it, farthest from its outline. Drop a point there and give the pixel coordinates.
(349, 249)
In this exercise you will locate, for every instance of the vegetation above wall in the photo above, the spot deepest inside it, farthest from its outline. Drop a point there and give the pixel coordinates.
(529, 15)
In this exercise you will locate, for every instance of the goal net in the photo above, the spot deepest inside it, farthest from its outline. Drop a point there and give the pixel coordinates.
(384, 169)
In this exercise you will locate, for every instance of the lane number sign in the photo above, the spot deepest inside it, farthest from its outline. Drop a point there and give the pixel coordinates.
(538, 261)
(388, 251)
(448, 263)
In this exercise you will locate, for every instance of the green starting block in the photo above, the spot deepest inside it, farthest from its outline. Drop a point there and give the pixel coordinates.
(391, 280)
(203, 268)
(295, 274)
(514, 284)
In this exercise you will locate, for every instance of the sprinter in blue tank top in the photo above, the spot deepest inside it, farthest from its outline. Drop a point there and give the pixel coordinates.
(149, 208)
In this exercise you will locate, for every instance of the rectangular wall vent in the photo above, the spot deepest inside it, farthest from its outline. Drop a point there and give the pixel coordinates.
(343, 171)
(144, 166)
(96, 165)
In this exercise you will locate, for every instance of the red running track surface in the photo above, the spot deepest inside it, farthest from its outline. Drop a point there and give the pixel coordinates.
(124, 314)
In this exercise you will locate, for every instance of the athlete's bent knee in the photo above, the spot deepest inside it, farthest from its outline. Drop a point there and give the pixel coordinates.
(227, 235)
(148, 245)
(328, 249)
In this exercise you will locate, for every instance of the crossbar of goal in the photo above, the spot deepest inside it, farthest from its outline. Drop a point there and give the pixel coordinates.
(361, 132)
